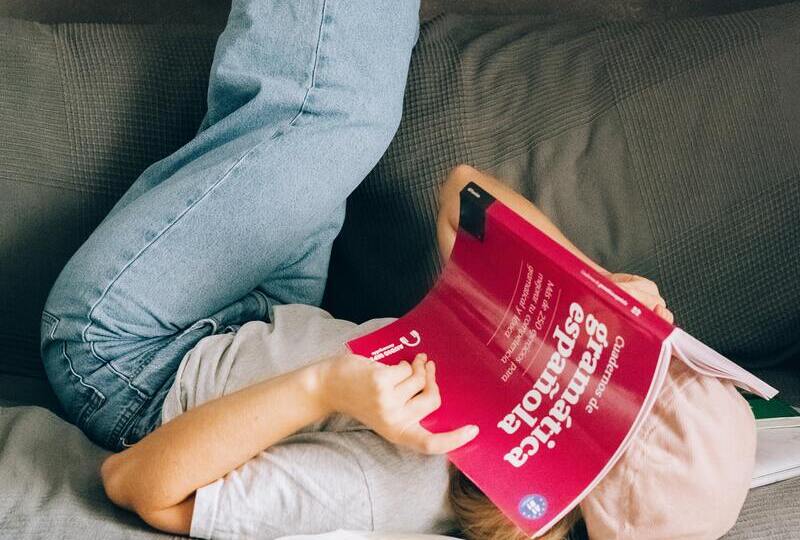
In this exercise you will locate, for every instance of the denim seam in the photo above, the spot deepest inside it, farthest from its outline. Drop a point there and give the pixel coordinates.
(211, 188)
(199, 324)
(135, 421)
(152, 349)
(125, 423)
(53, 323)
(314, 67)
(126, 417)
(227, 173)
(115, 371)
(107, 363)
(263, 302)
(98, 398)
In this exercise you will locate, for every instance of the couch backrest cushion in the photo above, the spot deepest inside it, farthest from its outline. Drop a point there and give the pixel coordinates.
(206, 12)
(669, 150)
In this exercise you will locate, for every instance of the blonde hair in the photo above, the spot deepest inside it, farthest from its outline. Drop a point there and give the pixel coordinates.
(479, 519)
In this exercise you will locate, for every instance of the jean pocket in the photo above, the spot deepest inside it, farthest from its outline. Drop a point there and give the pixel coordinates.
(79, 398)
(49, 325)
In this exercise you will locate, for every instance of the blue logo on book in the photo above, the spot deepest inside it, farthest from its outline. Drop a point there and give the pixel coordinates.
(533, 506)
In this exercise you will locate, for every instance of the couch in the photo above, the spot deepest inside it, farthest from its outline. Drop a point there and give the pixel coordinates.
(92, 92)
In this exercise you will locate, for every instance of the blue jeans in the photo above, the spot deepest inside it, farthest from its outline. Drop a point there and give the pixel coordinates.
(304, 98)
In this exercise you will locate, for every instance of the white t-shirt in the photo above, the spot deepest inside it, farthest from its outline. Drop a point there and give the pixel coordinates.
(334, 474)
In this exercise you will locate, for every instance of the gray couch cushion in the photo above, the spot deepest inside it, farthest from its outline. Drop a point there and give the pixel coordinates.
(770, 513)
(84, 109)
(680, 138)
(207, 12)
(51, 486)
(670, 150)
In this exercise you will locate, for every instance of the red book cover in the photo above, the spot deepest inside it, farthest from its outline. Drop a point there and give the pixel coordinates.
(556, 364)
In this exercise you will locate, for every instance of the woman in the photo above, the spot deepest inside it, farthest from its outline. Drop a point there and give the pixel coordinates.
(234, 227)
(275, 429)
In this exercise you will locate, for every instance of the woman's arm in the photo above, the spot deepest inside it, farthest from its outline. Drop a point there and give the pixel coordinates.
(449, 208)
(643, 289)
(157, 477)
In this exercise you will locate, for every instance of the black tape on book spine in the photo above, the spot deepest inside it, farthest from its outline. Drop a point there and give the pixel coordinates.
(472, 216)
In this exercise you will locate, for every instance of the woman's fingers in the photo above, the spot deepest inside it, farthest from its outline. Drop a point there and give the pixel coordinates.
(648, 299)
(665, 314)
(646, 292)
(651, 300)
(393, 375)
(422, 440)
(646, 285)
(426, 401)
(642, 285)
(633, 284)
(411, 386)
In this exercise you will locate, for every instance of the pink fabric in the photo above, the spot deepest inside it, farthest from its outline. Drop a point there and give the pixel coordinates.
(687, 471)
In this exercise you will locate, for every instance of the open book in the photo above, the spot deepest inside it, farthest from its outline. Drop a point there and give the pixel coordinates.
(556, 364)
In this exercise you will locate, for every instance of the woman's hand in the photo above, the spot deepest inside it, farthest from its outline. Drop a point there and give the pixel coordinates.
(391, 400)
(645, 291)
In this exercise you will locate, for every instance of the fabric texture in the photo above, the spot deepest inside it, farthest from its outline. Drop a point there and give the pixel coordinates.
(51, 487)
(334, 474)
(215, 11)
(91, 119)
(669, 150)
(687, 471)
